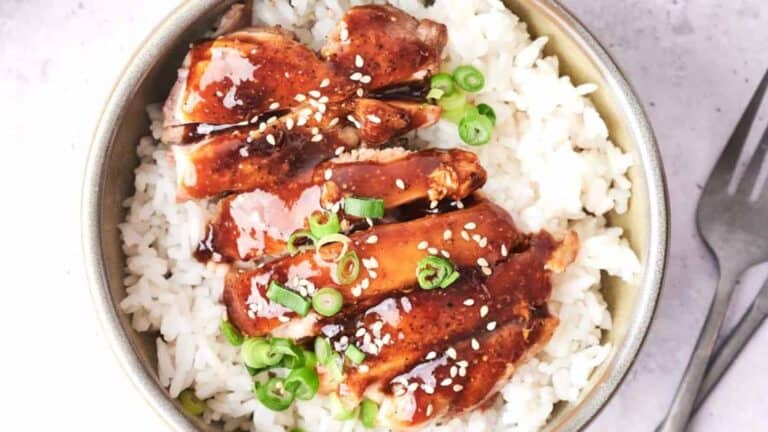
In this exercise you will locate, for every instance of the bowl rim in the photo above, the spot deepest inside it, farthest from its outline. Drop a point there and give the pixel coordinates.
(186, 13)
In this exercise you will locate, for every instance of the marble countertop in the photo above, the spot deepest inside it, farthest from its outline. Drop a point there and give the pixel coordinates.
(694, 64)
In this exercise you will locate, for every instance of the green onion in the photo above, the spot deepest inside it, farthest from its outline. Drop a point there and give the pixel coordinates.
(369, 410)
(303, 382)
(285, 297)
(354, 354)
(274, 394)
(432, 271)
(435, 94)
(253, 371)
(329, 239)
(327, 301)
(454, 102)
(191, 404)
(256, 353)
(231, 333)
(364, 207)
(338, 410)
(299, 241)
(297, 430)
(323, 224)
(444, 82)
(323, 349)
(475, 129)
(310, 359)
(292, 356)
(486, 110)
(334, 367)
(348, 268)
(469, 78)
(451, 278)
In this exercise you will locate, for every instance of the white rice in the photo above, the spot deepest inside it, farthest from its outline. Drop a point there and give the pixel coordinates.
(550, 164)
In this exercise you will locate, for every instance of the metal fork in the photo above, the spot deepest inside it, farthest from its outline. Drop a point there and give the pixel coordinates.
(734, 228)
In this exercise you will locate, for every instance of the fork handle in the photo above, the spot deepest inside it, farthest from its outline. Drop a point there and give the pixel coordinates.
(731, 348)
(682, 406)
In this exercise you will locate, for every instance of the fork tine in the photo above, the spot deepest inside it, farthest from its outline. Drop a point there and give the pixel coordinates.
(726, 164)
(749, 181)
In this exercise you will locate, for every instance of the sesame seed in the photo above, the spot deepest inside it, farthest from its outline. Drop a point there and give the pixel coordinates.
(299, 98)
(344, 34)
(462, 364)
(325, 83)
(369, 221)
(363, 368)
(482, 262)
(504, 251)
(283, 318)
(445, 253)
(447, 234)
(321, 108)
(356, 76)
(323, 100)
(244, 151)
(334, 121)
(433, 204)
(399, 391)
(271, 120)
(360, 92)
(458, 387)
(483, 311)
(301, 121)
(358, 60)
(372, 274)
(412, 387)
(462, 372)
(451, 352)
(289, 123)
(339, 151)
(271, 139)
(454, 371)
(274, 105)
(422, 245)
(475, 344)
(328, 174)
(317, 138)
(400, 184)
(429, 410)
(427, 389)
(262, 127)
(373, 118)
(477, 237)
(315, 130)
(446, 382)
(318, 116)
(465, 235)
(366, 79)
(483, 242)
(432, 251)
(470, 226)
(372, 239)
(360, 332)
(491, 326)
(365, 283)
(251, 314)
(486, 271)
(431, 355)
(469, 302)
(356, 291)
(459, 205)
(314, 93)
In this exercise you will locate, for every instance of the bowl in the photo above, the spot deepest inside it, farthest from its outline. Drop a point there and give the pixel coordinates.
(148, 78)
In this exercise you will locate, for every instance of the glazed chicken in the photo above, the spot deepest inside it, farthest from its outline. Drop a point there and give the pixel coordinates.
(257, 223)
(235, 77)
(270, 153)
(389, 254)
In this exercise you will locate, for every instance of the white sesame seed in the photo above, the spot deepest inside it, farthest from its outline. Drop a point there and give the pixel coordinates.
(372, 239)
(483, 311)
(300, 98)
(363, 368)
(323, 100)
(477, 238)
(356, 291)
(301, 121)
(483, 242)
(289, 123)
(360, 92)
(360, 332)
(365, 283)
(429, 410)
(459, 205)
(427, 389)
(482, 262)
(412, 387)
(344, 34)
(462, 364)
(244, 151)
(318, 116)
(283, 318)
(315, 130)
(458, 387)
(399, 391)
(422, 245)
(465, 235)
(271, 120)
(366, 79)
(491, 326)
(445, 253)
(271, 139)
(317, 138)
(262, 127)
(274, 105)
(446, 382)
(369, 221)
(314, 93)
(433, 204)
(486, 271)
(454, 371)
(400, 184)
(431, 355)
(325, 83)
(504, 251)
(373, 118)
(462, 372)
(447, 234)
(451, 352)
(372, 274)
(470, 226)
(334, 121)
(328, 174)
(358, 60)
(356, 76)
(469, 302)
(251, 314)
(475, 344)
(432, 251)
(321, 108)
(339, 151)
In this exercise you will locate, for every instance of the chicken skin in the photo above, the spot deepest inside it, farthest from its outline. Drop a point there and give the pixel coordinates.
(389, 256)
(257, 223)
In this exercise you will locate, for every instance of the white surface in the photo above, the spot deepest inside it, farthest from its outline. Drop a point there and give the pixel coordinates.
(693, 63)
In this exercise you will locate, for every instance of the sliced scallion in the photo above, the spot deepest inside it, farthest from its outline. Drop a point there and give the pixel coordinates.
(300, 240)
(231, 333)
(287, 298)
(330, 239)
(486, 110)
(475, 129)
(338, 410)
(348, 268)
(364, 207)
(191, 404)
(310, 359)
(323, 349)
(255, 353)
(274, 394)
(451, 278)
(292, 356)
(369, 410)
(354, 354)
(303, 382)
(324, 224)
(327, 301)
(432, 271)
(444, 82)
(469, 78)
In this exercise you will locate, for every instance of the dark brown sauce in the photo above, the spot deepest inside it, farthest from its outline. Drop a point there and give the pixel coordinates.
(413, 91)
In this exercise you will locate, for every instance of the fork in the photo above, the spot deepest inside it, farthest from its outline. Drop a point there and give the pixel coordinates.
(733, 227)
